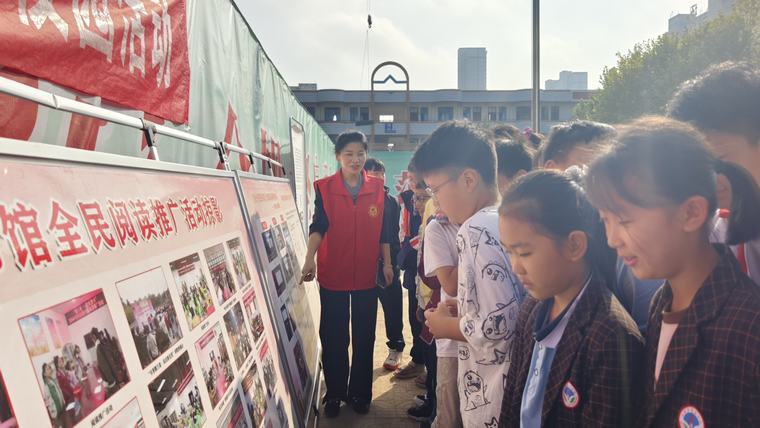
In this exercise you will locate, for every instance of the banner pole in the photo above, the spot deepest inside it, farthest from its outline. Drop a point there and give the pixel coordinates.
(149, 130)
(221, 149)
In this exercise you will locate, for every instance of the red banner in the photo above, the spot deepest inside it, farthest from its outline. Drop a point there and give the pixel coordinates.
(130, 52)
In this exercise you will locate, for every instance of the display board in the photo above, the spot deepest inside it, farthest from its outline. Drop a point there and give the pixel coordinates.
(131, 296)
(297, 172)
(282, 247)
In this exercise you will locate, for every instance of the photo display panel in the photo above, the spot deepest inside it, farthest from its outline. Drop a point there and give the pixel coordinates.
(280, 239)
(130, 296)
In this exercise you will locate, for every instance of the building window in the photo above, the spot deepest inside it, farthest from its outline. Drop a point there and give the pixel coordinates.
(312, 111)
(445, 113)
(364, 114)
(414, 114)
(522, 113)
(467, 113)
(353, 114)
(492, 114)
(424, 114)
(477, 115)
(332, 114)
(502, 114)
(544, 113)
(555, 113)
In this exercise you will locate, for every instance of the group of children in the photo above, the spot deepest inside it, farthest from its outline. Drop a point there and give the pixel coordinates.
(604, 277)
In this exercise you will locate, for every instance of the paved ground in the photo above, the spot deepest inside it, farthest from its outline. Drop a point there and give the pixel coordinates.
(391, 397)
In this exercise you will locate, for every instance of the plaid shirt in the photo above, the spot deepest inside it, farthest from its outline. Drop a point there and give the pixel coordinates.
(599, 354)
(712, 367)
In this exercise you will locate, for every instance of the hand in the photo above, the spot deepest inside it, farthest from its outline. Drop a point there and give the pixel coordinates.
(309, 271)
(434, 318)
(388, 274)
(452, 307)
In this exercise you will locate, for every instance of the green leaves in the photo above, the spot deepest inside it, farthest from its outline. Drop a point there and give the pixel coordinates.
(645, 77)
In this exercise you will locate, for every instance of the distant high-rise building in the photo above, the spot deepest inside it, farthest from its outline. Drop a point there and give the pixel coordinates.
(683, 22)
(472, 69)
(569, 80)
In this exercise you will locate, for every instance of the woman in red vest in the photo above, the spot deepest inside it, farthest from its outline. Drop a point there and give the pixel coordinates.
(348, 233)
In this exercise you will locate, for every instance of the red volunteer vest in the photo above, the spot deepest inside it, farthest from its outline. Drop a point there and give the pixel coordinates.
(347, 257)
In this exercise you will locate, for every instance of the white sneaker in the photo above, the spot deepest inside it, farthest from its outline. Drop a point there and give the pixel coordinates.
(393, 361)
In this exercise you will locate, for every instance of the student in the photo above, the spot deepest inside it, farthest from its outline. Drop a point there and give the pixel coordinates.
(458, 163)
(441, 260)
(656, 192)
(724, 103)
(426, 410)
(514, 159)
(577, 144)
(407, 261)
(576, 351)
(390, 297)
(346, 234)
(506, 131)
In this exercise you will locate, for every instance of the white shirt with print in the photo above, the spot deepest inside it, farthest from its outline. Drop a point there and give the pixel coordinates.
(441, 251)
(488, 297)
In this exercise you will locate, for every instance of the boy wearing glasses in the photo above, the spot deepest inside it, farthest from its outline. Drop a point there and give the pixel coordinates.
(458, 163)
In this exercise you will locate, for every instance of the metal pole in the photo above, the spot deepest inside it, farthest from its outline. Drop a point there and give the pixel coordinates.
(536, 102)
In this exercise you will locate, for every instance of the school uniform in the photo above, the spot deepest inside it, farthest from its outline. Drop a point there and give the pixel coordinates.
(391, 297)
(709, 372)
(577, 370)
(410, 223)
(346, 272)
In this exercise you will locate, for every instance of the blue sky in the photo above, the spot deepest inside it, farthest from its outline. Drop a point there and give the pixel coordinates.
(322, 41)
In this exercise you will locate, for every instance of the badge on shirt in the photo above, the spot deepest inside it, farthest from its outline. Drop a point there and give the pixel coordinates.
(689, 417)
(373, 211)
(570, 396)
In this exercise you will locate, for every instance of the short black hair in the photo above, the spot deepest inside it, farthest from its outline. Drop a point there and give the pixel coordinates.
(513, 156)
(507, 131)
(373, 164)
(536, 139)
(723, 98)
(565, 137)
(457, 145)
(350, 136)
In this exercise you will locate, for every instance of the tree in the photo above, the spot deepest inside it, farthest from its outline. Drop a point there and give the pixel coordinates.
(645, 77)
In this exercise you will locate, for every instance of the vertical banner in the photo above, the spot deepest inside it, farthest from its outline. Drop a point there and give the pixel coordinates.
(277, 230)
(297, 171)
(130, 296)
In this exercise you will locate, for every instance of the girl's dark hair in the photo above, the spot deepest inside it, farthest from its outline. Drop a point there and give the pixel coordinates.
(660, 161)
(347, 137)
(556, 204)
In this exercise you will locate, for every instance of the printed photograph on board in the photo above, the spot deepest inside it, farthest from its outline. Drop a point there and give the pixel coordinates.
(7, 415)
(233, 416)
(215, 363)
(149, 309)
(192, 286)
(278, 237)
(254, 315)
(281, 416)
(238, 334)
(221, 275)
(255, 398)
(239, 262)
(287, 321)
(267, 367)
(88, 369)
(279, 279)
(287, 267)
(269, 244)
(176, 397)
